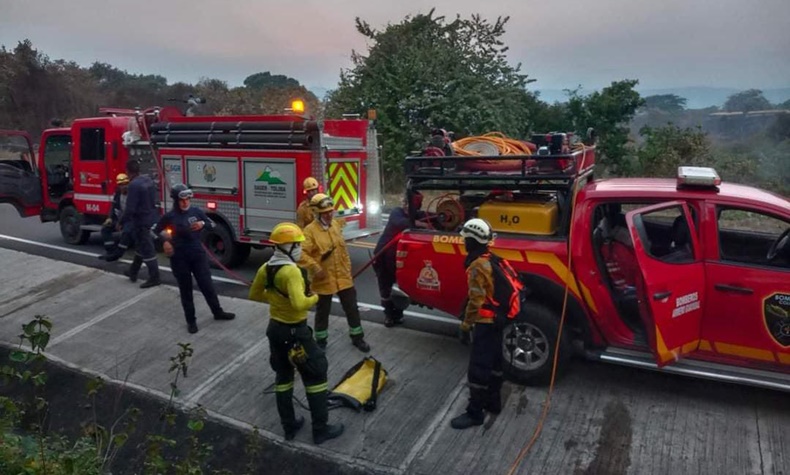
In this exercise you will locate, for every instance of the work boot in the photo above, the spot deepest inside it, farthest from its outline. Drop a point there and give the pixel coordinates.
(329, 431)
(467, 420)
(392, 320)
(494, 404)
(223, 315)
(151, 282)
(293, 427)
(153, 274)
(361, 344)
(192, 327)
(134, 269)
(114, 255)
(321, 343)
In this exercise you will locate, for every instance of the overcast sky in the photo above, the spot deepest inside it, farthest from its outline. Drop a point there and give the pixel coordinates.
(561, 43)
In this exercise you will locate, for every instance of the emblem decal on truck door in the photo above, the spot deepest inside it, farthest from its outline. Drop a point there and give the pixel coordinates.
(776, 312)
(428, 278)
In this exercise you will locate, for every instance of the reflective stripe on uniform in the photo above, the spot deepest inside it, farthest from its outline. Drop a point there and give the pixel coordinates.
(281, 388)
(355, 331)
(477, 386)
(321, 334)
(316, 388)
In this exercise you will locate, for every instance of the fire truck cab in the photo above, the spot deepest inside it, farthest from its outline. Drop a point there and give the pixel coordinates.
(246, 171)
(687, 275)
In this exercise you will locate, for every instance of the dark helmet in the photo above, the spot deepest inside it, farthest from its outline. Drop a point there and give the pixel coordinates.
(180, 191)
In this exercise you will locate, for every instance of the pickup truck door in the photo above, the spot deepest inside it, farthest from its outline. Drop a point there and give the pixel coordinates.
(671, 292)
(20, 183)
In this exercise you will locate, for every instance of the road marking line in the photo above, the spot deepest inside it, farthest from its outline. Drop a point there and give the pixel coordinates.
(223, 371)
(423, 316)
(101, 317)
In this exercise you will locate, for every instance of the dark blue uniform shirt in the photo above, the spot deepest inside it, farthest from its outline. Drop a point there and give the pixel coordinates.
(140, 203)
(179, 222)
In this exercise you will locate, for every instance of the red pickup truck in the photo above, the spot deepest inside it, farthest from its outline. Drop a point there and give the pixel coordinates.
(686, 275)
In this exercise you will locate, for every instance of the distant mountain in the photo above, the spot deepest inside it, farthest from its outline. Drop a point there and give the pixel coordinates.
(697, 97)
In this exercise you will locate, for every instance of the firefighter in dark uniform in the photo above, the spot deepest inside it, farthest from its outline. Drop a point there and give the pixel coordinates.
(282, 285)
(485, 362)
(114, 251)
(304, 213)
(384, 265)
(180, 230)
(141, 214)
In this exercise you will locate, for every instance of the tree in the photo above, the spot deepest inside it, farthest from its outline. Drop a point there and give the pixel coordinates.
(666, 148)
(427, 72)
(670, 103)
(745, 101)
(608, 112)
(260, 81)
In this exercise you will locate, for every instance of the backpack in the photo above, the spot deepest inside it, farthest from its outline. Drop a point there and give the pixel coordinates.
(509, 291)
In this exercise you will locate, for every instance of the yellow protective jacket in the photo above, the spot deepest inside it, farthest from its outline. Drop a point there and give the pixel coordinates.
(480, 279)
(291, 309)
(304, 214)
(325, 249)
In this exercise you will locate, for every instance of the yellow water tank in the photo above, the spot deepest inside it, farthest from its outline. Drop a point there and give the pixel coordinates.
(523, 217)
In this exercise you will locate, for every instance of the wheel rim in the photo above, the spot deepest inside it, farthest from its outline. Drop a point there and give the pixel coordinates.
(217, 245)
(525, 346)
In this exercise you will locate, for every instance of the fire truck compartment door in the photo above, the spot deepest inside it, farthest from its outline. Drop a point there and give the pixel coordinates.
(20, 185)
(672, 284)
(91, 170)
(270, 187)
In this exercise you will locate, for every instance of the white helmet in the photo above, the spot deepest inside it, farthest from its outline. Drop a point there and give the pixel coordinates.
(477, 229)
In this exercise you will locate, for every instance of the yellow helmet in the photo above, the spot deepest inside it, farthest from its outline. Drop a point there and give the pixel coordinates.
(309, 184)
(285, 233)
(122, 179)
(322, 203)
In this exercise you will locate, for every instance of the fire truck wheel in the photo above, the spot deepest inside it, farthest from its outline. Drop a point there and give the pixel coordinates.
(529, 343)
(70, 222)
(219, 242)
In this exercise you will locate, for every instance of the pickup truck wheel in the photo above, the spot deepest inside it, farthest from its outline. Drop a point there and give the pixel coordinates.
(70, 222)
(219, 242)
(528, 345)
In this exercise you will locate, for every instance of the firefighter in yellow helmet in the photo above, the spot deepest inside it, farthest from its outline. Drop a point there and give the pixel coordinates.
(304, 213)
(326, 257)
(282, 285)
(114, 251)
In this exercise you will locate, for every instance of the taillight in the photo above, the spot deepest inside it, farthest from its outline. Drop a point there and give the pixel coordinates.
(212, 205)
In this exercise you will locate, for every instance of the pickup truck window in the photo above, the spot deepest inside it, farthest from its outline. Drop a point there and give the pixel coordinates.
(666, 236)
(746, 236)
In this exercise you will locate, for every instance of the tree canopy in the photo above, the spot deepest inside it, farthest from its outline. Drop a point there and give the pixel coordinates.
(670, 103)
(745, 101)
(427, 72)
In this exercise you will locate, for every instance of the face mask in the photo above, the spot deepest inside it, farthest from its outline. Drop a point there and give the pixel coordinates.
(296, 252)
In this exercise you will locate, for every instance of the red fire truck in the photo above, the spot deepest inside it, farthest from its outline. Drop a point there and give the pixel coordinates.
(686, 275)
(246, 171)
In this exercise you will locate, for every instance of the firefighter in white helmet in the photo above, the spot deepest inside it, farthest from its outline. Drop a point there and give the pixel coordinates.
(304, 213)
(485, 363)
(326, 257)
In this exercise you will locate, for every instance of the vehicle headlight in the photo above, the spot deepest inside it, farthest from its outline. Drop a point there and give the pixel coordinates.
(374, 207)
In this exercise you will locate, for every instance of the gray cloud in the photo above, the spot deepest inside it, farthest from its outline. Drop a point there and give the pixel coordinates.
(562, 43)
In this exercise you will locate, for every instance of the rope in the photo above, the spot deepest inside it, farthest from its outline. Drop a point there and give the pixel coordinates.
(547, 404)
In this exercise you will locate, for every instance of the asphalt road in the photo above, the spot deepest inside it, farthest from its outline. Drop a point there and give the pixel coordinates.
(32, 236)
